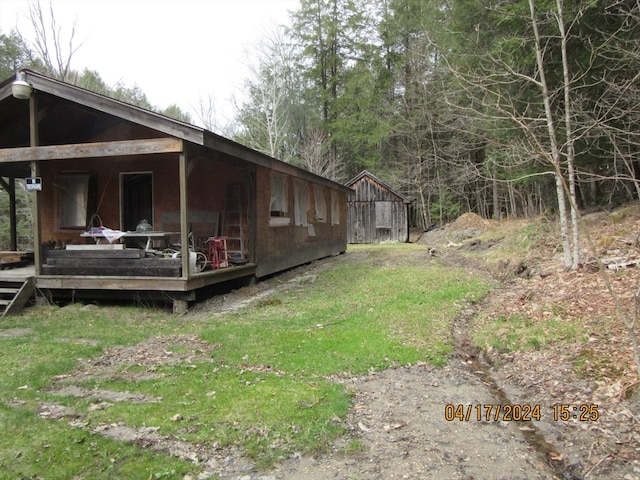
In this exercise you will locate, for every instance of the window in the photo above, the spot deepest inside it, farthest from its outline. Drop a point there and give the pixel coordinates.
(73, 200)
(383, 214)
(300, 203)
(320, 203)
(279, 200)
(335, 208)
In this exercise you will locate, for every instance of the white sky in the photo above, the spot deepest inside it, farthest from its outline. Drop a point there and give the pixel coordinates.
(175, 51)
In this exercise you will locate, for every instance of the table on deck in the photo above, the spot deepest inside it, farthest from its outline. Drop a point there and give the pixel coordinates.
(140, 238)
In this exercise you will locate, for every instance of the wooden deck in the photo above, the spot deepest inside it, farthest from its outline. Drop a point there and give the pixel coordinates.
(180, 290)
(197, 280)
(139, 283)
(20, 274)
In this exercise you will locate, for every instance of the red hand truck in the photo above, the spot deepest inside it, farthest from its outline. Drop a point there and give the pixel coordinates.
(217, 256)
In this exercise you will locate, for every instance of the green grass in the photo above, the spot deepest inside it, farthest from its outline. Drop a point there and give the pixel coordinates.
(517, 332)
(265, 389)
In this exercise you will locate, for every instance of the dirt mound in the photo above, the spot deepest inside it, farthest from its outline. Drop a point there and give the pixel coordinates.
(470, 220)
(465, 227)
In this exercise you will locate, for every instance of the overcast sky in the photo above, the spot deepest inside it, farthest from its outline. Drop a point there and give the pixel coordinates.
(176, 51)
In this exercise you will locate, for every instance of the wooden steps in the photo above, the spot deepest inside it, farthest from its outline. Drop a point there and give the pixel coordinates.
(14, 295)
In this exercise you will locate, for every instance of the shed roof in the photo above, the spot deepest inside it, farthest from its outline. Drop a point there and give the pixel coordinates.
(67, 99)
(366, 174)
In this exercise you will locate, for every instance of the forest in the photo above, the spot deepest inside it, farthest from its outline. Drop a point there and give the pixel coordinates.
(501, 108)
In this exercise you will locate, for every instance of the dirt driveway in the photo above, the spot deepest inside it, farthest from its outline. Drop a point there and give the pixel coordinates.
(399, 417)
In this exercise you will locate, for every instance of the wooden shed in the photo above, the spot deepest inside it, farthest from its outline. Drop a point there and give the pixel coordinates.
(376, 213)
(215, 210)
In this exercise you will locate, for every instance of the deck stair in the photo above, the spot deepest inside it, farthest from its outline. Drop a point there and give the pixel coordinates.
(14, 295)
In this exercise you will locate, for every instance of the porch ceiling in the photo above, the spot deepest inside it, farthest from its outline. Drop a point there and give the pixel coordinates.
(60, 122)
(15, 170)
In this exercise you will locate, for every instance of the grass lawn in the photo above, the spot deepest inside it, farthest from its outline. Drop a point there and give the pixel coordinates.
(258, 380)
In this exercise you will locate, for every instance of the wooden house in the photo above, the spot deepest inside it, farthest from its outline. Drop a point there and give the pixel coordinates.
(97, 167)
(376, 213)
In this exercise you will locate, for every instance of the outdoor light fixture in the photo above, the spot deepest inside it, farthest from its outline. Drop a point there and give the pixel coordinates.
(20, 88)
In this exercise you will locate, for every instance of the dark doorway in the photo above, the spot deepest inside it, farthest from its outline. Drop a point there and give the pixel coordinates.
(137, 199)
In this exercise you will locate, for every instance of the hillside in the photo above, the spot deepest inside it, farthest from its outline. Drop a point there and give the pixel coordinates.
(553, 336)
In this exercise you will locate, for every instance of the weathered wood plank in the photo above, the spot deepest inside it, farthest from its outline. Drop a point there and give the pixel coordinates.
(101, 282)
(92, 150)
(132, 253)
(151, 267)
(9, 290)
(98, 246)
(22, 297)
(145, 283)
(123, 270)
(18, 264)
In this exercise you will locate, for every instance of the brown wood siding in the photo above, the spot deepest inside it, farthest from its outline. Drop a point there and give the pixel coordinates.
(363, 224)
(106, 191)
(281, 247)
(207, 183)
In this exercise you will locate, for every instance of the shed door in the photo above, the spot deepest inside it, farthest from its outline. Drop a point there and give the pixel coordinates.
(384, 214)
(137, 199)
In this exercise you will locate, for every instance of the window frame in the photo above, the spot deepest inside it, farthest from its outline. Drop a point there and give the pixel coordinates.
(279, 198)
(320, 204)
(384, 215)
(301, 203)
(335, 208)
(74, 200)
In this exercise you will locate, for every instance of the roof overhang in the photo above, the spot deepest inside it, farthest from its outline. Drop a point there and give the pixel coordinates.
(191, 134)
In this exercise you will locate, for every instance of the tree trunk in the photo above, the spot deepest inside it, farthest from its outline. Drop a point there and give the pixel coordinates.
(568, 121)
(555, 155)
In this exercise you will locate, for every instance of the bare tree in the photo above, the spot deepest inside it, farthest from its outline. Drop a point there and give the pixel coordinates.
(314, 151)
(208, 116)
(49, 43)
(571, 257)
(498, 87)
(265, 115)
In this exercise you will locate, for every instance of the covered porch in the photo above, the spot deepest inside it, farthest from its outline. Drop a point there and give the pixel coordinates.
(93, 196)
(89, 171)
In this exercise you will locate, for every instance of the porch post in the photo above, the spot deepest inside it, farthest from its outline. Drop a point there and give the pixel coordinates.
(35, 172)
(184, 227)
(180, 305)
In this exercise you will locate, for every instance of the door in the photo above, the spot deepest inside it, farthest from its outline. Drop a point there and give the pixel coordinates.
(137, 199)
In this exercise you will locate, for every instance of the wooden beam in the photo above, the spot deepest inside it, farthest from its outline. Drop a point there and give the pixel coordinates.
(34, 142)
(92, 150)
(184, 208)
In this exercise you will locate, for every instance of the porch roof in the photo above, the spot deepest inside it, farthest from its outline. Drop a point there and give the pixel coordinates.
(65, 107)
